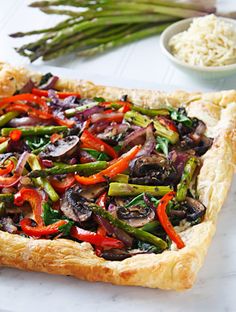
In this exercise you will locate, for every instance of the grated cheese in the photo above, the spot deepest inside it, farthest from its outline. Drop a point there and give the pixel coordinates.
(209, 41)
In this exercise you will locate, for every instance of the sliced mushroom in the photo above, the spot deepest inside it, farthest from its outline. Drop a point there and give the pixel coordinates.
(203, 145)
(141, 165)
(136, 216)
(195, 209)
(61, 148)
(74, 206)
(152, 170)
(198, 132)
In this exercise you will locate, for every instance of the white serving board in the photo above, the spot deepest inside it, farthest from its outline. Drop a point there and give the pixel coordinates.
(214, 290)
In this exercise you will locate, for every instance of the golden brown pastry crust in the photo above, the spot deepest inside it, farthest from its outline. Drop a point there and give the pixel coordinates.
(173, 269)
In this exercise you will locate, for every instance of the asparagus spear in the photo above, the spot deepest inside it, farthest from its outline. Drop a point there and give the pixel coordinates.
(4, 119)
(138, 233)
(38, 130)
(73, 111)
(125, 189)
(3, 147)
(168, 3)
(186, 178)
(151, 226)
(87, 14)
(68, 35)
(61, 25)
(110, 20)
(35, 165)
(123, 40)
(149, 8)
(144, 121)
(121, 178)
(88, 42)
(85, 169)
(150, 112)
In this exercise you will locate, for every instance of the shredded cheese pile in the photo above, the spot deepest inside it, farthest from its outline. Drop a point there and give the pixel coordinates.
(209, 41)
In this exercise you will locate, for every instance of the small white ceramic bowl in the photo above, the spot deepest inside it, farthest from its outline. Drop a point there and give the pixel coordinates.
(199, 71)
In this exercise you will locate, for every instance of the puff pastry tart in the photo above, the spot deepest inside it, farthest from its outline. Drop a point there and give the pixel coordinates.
(110, 184)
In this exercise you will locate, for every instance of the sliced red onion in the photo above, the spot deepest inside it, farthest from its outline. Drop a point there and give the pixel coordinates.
(17, 146)
(149, 144)
(50, 84)
(123, 236)
(47, 163)
(8, 225)
(87, 113)
(27, 88)
(27, 121)
(69, 102)
(21, 163)
(135, 137)
(112, 208)
(120, 234)
(87, 156)
(148, 202)
(113, 130)
(54, 97)
(8, 190)
(104, 223)
(73, 161)
(99, 126)
(178, 159)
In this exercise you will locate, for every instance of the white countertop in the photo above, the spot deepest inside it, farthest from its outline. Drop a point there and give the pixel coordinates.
(139, 65)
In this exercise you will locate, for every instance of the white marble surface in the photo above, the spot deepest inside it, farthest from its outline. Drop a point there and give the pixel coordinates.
(137, 65)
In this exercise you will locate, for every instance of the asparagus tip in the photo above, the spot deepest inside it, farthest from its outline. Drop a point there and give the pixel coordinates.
(17, 35)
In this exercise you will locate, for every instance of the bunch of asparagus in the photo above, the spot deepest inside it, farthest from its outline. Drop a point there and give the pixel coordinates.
(95, 26)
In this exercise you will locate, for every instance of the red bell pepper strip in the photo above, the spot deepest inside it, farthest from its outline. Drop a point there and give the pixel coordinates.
(5, 169)
(34, 198)
(61, 95)
(101, 201)
(38, 231)
(40, 114)
(63, 185)
(94, 238)
(15, 135)
(55, 137)
(125, 108)
(64, 122)
(9, 181)
(88, 140)
(29, 110)
(120, 165)
(163, 218)
(3, 139)
(167, 123)
(30, 98)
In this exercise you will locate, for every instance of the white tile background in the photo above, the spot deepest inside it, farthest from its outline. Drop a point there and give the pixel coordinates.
(139, 64)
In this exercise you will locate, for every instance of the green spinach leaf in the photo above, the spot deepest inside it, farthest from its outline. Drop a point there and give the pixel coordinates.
(35, 142)
(162, 145)
(180, 115)
(99, 99)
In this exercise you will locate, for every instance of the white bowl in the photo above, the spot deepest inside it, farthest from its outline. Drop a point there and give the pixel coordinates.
(199, 71)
